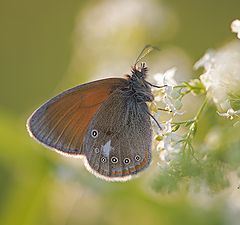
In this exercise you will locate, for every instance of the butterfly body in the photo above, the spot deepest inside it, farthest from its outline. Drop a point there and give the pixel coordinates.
(106, 121)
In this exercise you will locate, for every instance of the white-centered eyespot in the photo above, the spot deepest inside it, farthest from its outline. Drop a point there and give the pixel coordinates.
(126, 161)
(96, 150)
(94, 133)
(137, 158)
(103, 160)
(114, 159)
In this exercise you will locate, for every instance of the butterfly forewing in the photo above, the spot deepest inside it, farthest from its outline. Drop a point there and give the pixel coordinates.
(118, 139)
(61, 123)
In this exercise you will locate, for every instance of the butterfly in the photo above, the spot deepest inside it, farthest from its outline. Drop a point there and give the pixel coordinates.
(105, 122)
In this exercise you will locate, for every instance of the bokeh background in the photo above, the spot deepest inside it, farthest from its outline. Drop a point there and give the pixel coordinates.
(50, 45)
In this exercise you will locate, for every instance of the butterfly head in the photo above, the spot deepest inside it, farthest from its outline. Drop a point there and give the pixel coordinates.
(138, 85)
(140, 72)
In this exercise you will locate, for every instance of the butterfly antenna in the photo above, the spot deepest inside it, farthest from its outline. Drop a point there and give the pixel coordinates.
(146, 50)
(154, 119)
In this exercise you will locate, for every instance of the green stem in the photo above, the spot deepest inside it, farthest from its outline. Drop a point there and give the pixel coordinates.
(189, 88)
(183, 122)
(191, 132)
(180, 86)
(196, 118)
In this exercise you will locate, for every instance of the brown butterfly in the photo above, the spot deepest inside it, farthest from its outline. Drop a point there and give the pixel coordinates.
(107, 122)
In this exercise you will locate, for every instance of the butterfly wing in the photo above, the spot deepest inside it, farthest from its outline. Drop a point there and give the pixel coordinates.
(118, 139)
(61, 123)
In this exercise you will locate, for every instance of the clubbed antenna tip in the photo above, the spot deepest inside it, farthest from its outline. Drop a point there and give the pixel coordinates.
(146, 50)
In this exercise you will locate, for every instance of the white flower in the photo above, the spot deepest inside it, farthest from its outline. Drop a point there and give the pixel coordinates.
(166, 78)
(172, 143)
(165, 156)
(167, 127)
(222, 76)
(169, 146)
(235, 26)
(173, 105)
(170, 97)
(231, 113)
(206, 61)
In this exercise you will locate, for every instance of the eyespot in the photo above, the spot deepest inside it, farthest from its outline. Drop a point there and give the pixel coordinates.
(126, 161)
(103, 160)
(137, 158)
(114, 159)
(94, 133)
(96, 150)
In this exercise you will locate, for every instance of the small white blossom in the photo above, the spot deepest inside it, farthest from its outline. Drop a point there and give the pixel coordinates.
(170, 97)
(206, 61)
(165, 156)
(231, 113)
(175, 94)
(235, 26)
(166, 128)
(172, 143)
(222, 73)
(169, 146)
(166, 78)
(178, 105)
(173, 105)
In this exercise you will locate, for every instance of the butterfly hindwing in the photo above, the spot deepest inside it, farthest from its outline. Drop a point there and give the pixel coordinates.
(118, 139)
(61, 123)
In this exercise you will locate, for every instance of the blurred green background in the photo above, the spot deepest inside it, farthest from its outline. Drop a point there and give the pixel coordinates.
(48, 46)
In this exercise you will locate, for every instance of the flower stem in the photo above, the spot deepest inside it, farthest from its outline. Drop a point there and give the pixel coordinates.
(192, 130)
(196, 118)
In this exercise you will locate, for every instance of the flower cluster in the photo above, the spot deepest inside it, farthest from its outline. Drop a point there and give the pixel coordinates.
(204, 161)
(167, 100)
(220, 82)
(222, 77)
(169, 96)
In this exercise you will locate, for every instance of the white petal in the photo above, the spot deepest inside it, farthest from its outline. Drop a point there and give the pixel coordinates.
(160, 146)
(157, 98)
(235, 26)
(178, 104)
(158, 77)
(175, 94)
(230, 113)
(168, 126)
(165, 156)
(168, 90)
(206, 61)
(168, 102)
(168, 77)
(222, 76)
